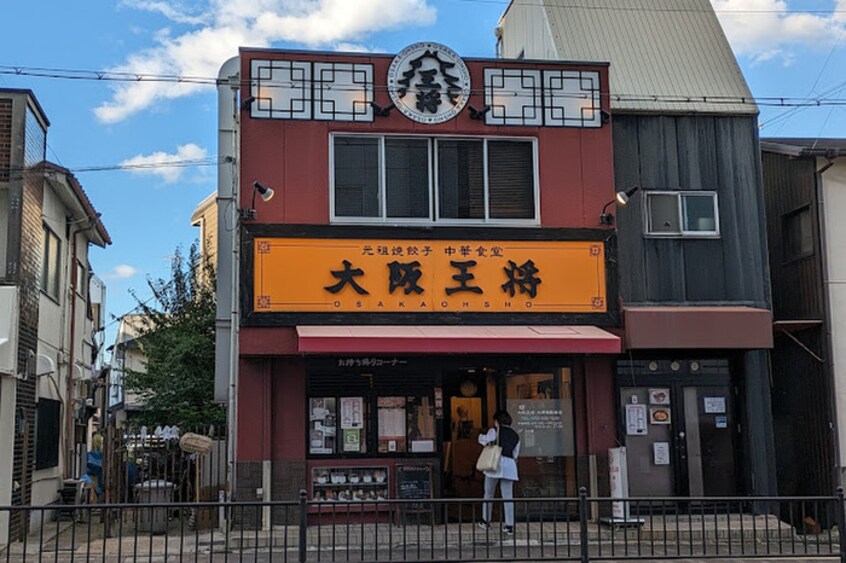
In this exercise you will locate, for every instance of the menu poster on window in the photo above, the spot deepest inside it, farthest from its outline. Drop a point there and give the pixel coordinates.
(545, 426)
(352, 440)
(636, 420)
(391, 411)
(322, 427)
(659, 415)
(659, 396)
(352, 412)
(421, 418)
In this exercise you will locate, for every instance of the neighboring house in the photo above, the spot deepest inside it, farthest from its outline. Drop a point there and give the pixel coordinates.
(205, 218)
(693, 270)
(805, 191)
(127, 355)
(47, 329)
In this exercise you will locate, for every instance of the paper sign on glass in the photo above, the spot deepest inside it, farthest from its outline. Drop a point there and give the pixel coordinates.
(352, 412)
(659, 396)
(659, 415)
(636, 420)
(715, 405)
(661, 453)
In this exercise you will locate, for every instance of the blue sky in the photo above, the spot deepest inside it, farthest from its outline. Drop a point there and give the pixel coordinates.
(791, 49)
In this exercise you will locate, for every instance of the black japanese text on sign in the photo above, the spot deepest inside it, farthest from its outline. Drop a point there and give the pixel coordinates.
(332, 275)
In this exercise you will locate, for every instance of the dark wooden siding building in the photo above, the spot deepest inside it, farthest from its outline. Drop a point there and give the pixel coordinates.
(804, 401)
(693, 264)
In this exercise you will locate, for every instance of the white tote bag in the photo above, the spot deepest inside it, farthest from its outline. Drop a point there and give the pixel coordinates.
(490, 457)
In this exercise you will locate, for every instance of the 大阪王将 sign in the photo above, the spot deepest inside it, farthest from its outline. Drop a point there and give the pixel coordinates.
(428, 276)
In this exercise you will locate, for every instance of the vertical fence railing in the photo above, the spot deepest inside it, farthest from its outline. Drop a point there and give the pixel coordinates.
(563, 529)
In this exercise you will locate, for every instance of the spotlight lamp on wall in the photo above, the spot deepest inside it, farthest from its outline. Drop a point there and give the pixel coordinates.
(266, 194)
(621, 199)
(247, 102)
(382, 111)
(478, 114)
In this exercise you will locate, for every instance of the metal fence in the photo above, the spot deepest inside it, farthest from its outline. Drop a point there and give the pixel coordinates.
(135, 455)
(561, 529)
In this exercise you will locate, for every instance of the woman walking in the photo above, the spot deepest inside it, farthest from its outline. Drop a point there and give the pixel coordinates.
(506, 474)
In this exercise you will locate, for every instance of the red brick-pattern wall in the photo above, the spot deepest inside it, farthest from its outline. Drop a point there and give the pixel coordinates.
(5, 139)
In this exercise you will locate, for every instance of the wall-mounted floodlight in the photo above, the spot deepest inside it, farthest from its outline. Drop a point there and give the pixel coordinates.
(382, 111)
(247, 102)
(266, 194)
(621, 199)
(478, 113)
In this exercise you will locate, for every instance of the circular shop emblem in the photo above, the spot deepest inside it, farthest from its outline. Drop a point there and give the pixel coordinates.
(428, 82)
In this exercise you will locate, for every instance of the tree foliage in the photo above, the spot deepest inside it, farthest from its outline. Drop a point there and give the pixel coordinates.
(177, 338)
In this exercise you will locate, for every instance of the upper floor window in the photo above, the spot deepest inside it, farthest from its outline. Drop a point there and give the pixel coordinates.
(35, 143)
(51, 264)
(434, 179)
(797, 234)
(81, 280)
(682, 214)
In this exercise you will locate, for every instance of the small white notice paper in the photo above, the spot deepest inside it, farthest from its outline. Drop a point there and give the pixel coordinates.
(715, 405)
(635, 420)
(661, 453)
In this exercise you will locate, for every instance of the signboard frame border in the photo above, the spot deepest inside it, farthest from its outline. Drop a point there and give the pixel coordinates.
(252, 318)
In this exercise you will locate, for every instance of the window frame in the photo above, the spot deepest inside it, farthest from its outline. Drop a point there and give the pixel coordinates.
(44, 284)
(681, 233)
(434, 203)
(785, 218)
(48, 419)
(81, 279)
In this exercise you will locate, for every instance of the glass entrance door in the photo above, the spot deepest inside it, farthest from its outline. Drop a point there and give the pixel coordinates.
(541, 405)
(679, 439)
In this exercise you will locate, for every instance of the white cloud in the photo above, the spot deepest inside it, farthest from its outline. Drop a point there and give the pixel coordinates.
(122, 272)
(224, 25)
(168, 166)
(764, 30)
(171, 10)
(353, 48)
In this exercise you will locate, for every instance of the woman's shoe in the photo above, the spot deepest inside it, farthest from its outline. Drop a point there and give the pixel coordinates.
(508, 530)
(484, 525)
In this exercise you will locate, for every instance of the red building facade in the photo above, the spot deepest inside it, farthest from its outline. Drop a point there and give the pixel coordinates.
(432, 252)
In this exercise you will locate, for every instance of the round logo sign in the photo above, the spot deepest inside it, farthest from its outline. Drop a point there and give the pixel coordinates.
(428, 82)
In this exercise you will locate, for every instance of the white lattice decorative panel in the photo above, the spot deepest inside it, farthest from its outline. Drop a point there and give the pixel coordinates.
(514, 96)
(343, 91)
(571, 98)
(282, 89)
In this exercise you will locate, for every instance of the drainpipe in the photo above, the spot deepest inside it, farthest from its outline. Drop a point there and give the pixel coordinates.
(69, 426)
(826, 303)
(227, 314)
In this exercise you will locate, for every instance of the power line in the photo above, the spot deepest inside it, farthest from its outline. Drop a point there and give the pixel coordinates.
(772, 101)
(17, 173)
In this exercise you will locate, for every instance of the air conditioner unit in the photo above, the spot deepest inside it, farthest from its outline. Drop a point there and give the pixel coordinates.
(8, 330)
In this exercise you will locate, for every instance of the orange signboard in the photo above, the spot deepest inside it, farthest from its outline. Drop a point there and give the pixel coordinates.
(312, 275)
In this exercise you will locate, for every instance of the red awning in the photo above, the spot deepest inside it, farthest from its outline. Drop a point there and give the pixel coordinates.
(733, 328)
(456, 340)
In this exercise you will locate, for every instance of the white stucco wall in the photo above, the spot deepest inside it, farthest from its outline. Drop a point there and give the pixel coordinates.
(54, 340)
(7, 444)
(834, 201)
(47, 482)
